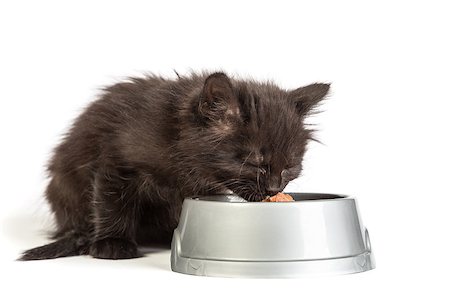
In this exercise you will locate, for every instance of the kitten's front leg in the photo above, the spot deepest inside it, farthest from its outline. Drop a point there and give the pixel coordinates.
(115, 217)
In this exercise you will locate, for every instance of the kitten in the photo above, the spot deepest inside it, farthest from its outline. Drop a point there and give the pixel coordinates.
(120, 175)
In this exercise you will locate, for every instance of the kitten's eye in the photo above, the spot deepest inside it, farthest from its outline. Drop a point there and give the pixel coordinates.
(291, 172)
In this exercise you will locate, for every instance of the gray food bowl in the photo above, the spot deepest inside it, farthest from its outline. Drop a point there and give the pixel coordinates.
(226, 236)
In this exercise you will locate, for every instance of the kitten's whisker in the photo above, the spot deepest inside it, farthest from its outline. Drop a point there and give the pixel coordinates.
(245, 160)
(257, 182)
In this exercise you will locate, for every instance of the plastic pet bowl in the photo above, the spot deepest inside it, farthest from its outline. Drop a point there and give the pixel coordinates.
(226, 236)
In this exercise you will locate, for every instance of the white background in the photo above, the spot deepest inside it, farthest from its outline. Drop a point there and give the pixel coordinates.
(384, 128)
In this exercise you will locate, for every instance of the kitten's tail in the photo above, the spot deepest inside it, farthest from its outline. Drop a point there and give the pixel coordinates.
(70, 244)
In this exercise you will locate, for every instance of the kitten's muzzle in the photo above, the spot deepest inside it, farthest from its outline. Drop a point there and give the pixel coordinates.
(272, 191)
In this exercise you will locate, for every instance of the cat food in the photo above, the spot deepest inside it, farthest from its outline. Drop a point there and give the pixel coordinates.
(280, 197)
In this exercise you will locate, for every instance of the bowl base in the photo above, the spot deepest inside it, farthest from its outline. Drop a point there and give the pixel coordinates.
(269, 269)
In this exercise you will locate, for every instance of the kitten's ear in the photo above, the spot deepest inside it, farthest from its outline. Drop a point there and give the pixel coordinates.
(218, 98)
(305, 98)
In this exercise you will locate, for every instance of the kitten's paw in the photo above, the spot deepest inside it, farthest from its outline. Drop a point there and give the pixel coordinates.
(114, 248)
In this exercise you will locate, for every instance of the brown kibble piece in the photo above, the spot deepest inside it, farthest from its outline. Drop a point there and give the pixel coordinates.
(280, 197)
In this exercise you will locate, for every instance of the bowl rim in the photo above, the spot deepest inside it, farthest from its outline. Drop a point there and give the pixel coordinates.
(316, 197)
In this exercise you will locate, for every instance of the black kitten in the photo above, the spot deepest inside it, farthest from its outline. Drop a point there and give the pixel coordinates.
(119, 177)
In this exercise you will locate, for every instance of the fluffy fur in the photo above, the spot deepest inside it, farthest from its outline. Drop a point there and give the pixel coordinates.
(120, 175)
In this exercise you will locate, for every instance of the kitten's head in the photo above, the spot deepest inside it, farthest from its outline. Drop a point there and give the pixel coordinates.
(250, 137)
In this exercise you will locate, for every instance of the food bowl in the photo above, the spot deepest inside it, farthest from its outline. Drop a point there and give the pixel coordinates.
(226, 236)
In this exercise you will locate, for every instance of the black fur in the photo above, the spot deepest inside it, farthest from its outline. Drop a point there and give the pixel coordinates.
(120, 175)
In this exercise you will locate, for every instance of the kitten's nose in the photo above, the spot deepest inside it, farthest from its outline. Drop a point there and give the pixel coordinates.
(272, 191)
